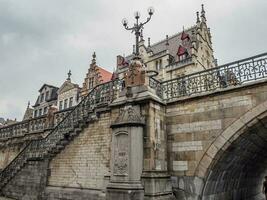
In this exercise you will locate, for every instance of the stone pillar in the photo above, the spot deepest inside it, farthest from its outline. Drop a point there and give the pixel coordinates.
(127, 156)
(139, 153)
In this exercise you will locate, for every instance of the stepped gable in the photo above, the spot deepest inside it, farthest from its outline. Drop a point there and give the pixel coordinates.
(95, 75)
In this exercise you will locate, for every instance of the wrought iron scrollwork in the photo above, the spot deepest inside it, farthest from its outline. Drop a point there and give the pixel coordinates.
(231, 74)
(38, 149)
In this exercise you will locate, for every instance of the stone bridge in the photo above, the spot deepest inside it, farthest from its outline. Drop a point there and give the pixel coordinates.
(202, 136)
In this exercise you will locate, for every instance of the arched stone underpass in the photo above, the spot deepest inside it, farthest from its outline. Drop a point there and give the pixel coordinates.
(238, 169)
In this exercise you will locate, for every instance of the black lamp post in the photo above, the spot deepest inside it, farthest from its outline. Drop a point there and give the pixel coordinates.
(137, 27)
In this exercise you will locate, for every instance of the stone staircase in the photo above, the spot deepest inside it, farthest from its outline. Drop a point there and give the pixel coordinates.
(64, 132)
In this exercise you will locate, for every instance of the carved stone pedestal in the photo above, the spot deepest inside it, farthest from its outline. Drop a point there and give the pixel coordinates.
(127, 156)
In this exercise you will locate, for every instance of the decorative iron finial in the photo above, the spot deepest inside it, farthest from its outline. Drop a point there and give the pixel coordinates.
(94, 58)
(198, 20)
(203, 17)
(28, 104)
(167, 40)
(69, 75)
(148, 42)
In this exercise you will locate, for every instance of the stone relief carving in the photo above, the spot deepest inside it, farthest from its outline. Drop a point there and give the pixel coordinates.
(121, 153)
(129, 114)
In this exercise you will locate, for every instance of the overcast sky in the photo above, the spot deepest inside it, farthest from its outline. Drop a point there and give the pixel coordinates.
(41, 40)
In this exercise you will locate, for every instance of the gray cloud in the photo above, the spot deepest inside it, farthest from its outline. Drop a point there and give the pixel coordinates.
(41, 40)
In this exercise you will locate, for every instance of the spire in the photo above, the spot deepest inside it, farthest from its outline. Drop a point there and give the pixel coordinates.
(28, 112)
(148, 42)
(69, 75)
(203, 17)
(198, 20)
(94, 58)
(167, 40)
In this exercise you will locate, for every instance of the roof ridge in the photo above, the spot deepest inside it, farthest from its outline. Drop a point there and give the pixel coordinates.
(174, 35)
(104, 69)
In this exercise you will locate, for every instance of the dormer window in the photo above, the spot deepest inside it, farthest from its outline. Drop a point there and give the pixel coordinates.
(47, 95)
(71, 102)
(42, 97)
(158, 64)
(45, 110)
(65, 103)
(182, 57)
(60, 105)
(182, 53)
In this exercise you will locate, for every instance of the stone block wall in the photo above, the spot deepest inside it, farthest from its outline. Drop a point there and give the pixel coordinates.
(8, 153)
(194, 123)
(155, 138)
(29, 183)
(85, 161)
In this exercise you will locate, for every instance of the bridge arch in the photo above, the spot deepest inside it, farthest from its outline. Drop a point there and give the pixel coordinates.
(234, 165)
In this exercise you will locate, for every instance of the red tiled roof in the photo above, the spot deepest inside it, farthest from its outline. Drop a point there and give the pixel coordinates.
(105, 75)
(181, 51)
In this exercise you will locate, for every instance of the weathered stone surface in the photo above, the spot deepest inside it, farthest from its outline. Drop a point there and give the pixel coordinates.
(213, 146)
(85, 161)
(29, 183)
(56, 193)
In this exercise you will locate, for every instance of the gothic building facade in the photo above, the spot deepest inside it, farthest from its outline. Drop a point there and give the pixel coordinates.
(68, 94)
(47, 97)
(181, 54)
(95, 76)
(130, 135)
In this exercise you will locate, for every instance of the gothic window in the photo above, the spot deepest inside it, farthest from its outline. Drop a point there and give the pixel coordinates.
(46, 95)
(60, 105)
(35, 113)
(45, 110)
(40, 112)
(158, 64)
(71, 102)
(65, 103)
(182, 57)
(91, 82)
(42, 97)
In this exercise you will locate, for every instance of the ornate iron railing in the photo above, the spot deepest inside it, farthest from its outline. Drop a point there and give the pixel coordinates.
(231, 74)
(33, 125)
(101, 94)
